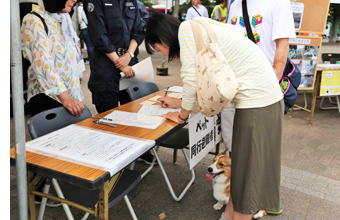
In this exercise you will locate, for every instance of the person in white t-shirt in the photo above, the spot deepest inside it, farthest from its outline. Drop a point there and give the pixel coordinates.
(196, 10)
(272, 25)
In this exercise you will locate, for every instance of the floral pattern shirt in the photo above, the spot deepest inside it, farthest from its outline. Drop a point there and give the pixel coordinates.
(53, 67)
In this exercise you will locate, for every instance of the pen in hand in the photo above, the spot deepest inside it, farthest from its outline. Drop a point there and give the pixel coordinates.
(166, 91)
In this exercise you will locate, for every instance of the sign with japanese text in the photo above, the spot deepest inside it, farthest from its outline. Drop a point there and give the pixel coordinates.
(330, 83)
(201, 137)
(218, 130)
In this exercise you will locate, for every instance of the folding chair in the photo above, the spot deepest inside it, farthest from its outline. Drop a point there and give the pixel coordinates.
(54, 119)
(178, 140)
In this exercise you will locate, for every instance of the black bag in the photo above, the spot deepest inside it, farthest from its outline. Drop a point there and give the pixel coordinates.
(24, 7)
(291, 77)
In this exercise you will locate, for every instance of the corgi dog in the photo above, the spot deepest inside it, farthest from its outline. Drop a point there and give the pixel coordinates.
(219, 173)
(260, 214)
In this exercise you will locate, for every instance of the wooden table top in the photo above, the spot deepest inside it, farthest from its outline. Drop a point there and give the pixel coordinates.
(91, 177)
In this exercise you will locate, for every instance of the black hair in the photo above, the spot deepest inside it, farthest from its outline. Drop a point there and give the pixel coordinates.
(218, 2)
(162, 28)
(54, 6)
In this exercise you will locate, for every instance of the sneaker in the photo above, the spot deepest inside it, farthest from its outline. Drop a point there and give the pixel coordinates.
(147, 158)
(87, 62)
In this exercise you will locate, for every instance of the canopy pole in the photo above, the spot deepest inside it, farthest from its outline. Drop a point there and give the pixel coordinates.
(18, 110)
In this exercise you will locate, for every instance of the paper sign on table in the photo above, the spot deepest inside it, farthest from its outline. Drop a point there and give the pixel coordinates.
(155, 98)
(201, 137)
(175, 95)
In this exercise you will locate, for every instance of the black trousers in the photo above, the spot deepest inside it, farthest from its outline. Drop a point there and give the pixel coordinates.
(107, 100)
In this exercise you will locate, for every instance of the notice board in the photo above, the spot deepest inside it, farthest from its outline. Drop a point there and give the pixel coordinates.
(330, 83)
(310, 16)
(304, 52)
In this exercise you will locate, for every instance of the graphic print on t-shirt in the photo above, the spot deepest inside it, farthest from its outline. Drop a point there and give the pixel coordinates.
(256, 22)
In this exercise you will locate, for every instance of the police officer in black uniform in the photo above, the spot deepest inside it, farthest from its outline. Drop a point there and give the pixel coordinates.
(115, 29)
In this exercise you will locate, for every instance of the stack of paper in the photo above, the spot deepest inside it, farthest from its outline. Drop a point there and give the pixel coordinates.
(88, 147)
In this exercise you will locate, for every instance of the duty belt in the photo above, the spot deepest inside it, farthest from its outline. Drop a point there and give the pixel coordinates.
(121, 51)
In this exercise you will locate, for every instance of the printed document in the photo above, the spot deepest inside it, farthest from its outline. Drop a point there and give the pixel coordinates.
(135, 119)
(88, 147)
(156, 110)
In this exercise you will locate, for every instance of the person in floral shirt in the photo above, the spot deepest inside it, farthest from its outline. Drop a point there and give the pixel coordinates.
(53, 76)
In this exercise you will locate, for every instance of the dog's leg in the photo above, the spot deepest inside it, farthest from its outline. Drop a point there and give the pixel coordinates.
(219, 205)
(260, 214)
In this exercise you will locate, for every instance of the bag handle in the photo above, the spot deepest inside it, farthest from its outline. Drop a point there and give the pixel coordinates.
(42, 20)
(197, 11)
(196, 29)
(210, 31)
(246, 20)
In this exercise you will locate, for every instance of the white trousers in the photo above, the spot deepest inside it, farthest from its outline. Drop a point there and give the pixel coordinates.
(227, 123)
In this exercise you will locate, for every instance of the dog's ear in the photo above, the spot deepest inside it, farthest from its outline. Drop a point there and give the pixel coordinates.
(224, 153)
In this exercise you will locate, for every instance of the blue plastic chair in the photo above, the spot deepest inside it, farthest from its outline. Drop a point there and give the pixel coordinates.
(57, 118)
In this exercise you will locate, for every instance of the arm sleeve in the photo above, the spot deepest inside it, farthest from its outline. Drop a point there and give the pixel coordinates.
(217, 13)
(137, 31)
(188, 70)
(206, 13)
(96, 23)
(80, 14)
(37, 49)
(188, 16)
(283, 24)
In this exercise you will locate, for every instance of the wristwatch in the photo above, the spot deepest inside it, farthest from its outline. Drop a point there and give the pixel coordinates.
(182, 119)
(131, 54)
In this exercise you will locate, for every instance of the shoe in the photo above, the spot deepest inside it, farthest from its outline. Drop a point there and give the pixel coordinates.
(50, 203)
(87, 62)
(147, 158)
(276, 213)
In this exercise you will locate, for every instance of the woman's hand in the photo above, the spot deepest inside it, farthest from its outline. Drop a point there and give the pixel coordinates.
(123, 61)
(128, 71)
(168, 102)
(74, 106)
(173, 116)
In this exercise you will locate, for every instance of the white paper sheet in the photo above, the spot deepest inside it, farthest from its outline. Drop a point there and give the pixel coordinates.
(97, 149)
(156, 110)
(178, 89)
(135, 119)
(143, 71)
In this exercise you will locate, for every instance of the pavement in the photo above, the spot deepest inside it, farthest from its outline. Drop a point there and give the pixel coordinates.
(310, 168)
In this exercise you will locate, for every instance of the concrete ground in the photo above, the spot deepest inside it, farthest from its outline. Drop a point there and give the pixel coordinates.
(310, 183)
